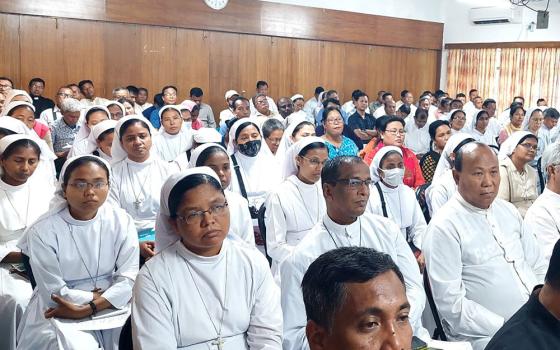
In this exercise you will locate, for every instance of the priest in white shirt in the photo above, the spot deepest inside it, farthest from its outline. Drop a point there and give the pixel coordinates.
(481, 262)
(543, 217)
(345, 182)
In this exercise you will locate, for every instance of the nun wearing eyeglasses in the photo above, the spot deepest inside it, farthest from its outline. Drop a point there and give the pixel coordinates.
(390, 198)
(518, 184)
(204, 291)
(346, 184)
(84, 257)
(294, 207)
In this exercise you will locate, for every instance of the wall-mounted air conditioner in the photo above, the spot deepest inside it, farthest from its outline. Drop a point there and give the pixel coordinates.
(493, 15)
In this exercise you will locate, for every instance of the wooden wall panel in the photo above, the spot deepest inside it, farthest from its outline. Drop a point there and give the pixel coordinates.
(116, 54)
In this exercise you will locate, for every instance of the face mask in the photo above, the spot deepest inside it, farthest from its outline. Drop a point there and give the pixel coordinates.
(188, 125)
(393, 177)
(251, 148)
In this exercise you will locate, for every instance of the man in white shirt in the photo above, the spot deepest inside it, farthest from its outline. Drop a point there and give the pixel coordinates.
(205, 115)
(417, 134)
(347, 285)
(381, 111)
(88, 90)
(407, 99)
(227, 113)
(133, 93)
(312, 104)
(473, 93)
(350, 106)
(346, 183)
(549, 130)
(489, 105)
(262, 88)
(481, 263)
(142, 99)
(263, 112)
(49, 116)
(543, 217)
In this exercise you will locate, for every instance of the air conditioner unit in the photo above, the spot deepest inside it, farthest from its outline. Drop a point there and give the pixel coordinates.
(493, 15)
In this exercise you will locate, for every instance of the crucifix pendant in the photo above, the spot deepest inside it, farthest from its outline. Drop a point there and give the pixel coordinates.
(137, 204)
(219, 342)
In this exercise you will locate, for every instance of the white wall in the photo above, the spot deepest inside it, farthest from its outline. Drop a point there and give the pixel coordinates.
(424, 10)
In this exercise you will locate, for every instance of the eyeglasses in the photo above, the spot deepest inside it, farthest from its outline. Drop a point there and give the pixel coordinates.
(529, 146)
(355, 183)
(83, 185)
(63, 95)
(459, 118)
(335, 121)
(195, 217)
(315, 162)
(396, 132)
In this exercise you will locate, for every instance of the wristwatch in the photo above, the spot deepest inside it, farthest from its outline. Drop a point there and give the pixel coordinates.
(93, 307)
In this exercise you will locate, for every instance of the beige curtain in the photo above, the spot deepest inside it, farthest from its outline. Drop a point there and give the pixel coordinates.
(471, 69)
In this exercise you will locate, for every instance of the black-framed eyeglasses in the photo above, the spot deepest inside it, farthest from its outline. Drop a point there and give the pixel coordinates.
(355, 183)
(195, 217)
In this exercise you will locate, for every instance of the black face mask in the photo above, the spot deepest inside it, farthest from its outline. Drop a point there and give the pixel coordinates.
(251, 148)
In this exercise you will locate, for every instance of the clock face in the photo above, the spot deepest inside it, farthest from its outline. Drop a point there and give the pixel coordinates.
(216, 4)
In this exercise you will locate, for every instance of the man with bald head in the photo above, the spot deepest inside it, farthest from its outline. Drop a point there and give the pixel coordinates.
(481, 262)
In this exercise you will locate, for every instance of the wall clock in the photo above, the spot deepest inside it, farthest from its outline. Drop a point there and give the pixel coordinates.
(216, 4)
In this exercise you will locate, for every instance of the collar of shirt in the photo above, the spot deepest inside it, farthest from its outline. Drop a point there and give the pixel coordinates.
(186, 254)
(350, 231)
(471, 207)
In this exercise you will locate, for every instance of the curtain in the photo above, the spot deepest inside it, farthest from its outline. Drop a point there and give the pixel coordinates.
(471, 69)
(502, 74)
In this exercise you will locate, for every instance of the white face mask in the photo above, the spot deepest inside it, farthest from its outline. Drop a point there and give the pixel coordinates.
(188, 125)
(393, 177)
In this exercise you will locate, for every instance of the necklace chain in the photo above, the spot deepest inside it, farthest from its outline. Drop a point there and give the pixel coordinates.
(137, 201)
(82, 258)
(346, 230)
(218, 341)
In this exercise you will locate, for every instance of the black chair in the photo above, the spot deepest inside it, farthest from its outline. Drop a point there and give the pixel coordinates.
(421, 198)
(125, 340)
(28, 271)
(262, 229)
(438, 332)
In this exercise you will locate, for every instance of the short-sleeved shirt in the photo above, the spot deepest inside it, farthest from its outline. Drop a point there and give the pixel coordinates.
(63, 135)
(355, 121)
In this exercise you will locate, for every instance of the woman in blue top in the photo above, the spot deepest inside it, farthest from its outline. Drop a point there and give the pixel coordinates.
(338, 144)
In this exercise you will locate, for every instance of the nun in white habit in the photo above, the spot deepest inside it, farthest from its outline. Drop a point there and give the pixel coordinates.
(138, 175)
(84, 257)
(298, 128)
(92, 116)
(175, 139)
(294, 207)
(443, 185)
(14, 95)
(241, 226)
(23, 198)
(258, 169)
(390, 198)
(204, 291)
(100, 139)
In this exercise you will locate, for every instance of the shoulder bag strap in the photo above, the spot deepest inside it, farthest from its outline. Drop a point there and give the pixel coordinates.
(383, 206)
(239, 177)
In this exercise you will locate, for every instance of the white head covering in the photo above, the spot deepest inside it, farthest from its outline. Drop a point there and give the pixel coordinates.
(443, 164)
(527, 119)
(165, 236)
(475, 118)
(197, 151)
(296, 96)
(166, 107)
(97, 130)
(376, 162)
(118, 104)
(84, 130)
(507, 148)
(15, 104)
(286, 141)
(117, 151)
(6, 141)
(230, 93)
(289, 165)
(14, 125)
(13, 93)
(231, 148)
(206, 135)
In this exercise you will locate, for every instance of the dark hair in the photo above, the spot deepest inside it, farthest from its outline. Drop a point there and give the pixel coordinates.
(78, 163)
(551, 113)
(439, 93)
(541, 100)
(243, 126)
(454, 113)
(207, 153)
(327, 110)
(261, 83)
(420, 113)
(479, 114)
(404, 109)
(444, 102)
(196, 91)
(356, 94)
(84, 82)
(552, 277)
(330, 100)
(529, 136)
(387, 155)
(69, 86)
(331, 170)
(22, 143)
(324, 282)
(330, 93)
(96, 109)
(519, 98)
(239, 98)
(129, 123)
(186, 184)
(122, 101)
(270, 126)
(8, 79)
(6, 132)
(432, 129)
(36, 80)
(403, 93)
(458, 162)
(311, 146)
(460, 94)
(427, 92)
(319, 89)
(168, 87)
(472, 90)
(18, 107)
(386, 94)
(158, 99)
(514, 107)
(383, 122)
(132, 89)
(196, 108)
(300, 126)
(143, 89)
(105, 133)
(488, 102)
(456, 101)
